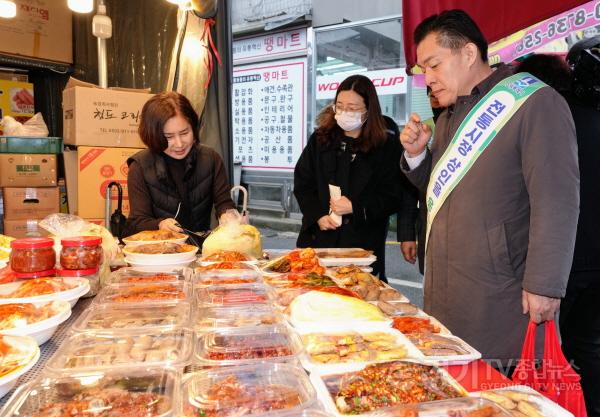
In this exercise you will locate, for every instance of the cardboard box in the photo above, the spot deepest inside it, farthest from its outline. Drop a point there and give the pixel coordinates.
(41, 29)
(94, 116)
(30, 203)
(16, 100)
(88, 171)
(13, 75)
(23, 228)
(27, 170)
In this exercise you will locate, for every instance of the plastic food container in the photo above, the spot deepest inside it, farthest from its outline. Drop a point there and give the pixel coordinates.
(443, 349)
(82, 252)
(144, 293)
(381, 386)
(93, 351)
(37, 321)
(20, 353)
(226, 277)
(42, 290)
(215, 266)
(33, 254)
(223, 347)
(92, 275)
(456, 407)
(228, 256)
(124, 392)
(261, 389)
(141, 275)
(128, 317)
(210, 318)
(231, 295)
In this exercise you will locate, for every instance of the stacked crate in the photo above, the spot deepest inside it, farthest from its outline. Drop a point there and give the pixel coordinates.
(28, 179)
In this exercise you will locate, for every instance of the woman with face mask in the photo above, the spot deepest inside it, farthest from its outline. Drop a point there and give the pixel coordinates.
(355, 148)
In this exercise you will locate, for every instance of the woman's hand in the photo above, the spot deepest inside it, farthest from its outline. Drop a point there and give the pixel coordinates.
(170, 224)
(230, 216)
(327, 223)
(341, 206)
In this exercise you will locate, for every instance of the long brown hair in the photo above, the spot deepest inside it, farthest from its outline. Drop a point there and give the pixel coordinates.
(155, 114)
(373, 133)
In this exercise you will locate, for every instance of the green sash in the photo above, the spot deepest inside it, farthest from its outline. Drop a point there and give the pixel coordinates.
(474, 135)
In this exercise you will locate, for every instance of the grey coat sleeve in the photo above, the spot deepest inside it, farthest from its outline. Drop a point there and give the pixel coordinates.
(551, 173)
(420, 175)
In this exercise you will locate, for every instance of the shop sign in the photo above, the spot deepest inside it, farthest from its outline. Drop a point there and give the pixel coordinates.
(388, 81)
(271, 45)
(269, 114)
(536, 36)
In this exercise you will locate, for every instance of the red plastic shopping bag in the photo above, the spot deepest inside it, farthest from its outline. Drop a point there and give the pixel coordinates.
(554, 377)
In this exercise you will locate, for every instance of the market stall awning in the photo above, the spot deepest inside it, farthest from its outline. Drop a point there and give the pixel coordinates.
(496, 19)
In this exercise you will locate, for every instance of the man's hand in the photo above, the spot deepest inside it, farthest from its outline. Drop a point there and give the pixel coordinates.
(230, 216)
(540, 308)
(414, 136)
(327, 223)
(340, 206)
(409, 251)
(169, 224)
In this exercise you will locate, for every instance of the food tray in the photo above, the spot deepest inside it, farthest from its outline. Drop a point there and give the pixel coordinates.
(82, 286)
(544, 406)
(328, 346)
(327, 384)
(176, 238)
(144, 293)
(231, 295)
(435, 322)
(465, 406)
(136, 275)
(96, 351)
(226, 256)
(18, 144)
(127, 391)
(299, 280)
(225, 266)
(226, 277)
(340, 259)
(42, 330)
(225, 347)
(159, 262)
(470, 354)
(160, 258)
(128, 317)
(29, 355)
(210, 318)
(262, 389)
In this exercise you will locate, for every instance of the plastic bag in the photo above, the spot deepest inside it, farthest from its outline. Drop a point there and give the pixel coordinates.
(34, 127)
(61, 225)
(233, 235)
(555, 378)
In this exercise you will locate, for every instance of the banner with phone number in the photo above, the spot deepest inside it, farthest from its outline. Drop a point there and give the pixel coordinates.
(536, 36)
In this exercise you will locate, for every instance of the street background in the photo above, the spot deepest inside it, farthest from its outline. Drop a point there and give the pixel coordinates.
(401, 275)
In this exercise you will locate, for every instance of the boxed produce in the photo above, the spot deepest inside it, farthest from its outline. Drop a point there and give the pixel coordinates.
(88, 171)
(30, 203)
(27, 170)
(94, 116)
(247, 390)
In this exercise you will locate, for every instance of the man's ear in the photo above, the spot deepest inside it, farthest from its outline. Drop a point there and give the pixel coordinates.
(470, 53)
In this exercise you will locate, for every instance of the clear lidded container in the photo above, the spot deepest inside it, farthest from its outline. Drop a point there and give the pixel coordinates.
(224, 347)
(465, 406)
(261, 389)
(226, 277)
(94, 351)
(148, 392)
(144, 293)
(231, 295)
(209, 318)
(33, 254)
(81, 252)
(145, 275)
(127, 317)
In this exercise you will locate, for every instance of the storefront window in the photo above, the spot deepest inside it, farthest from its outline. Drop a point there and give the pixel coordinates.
(373, 49)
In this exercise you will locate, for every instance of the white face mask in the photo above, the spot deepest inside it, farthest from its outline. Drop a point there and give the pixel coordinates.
(349, 120)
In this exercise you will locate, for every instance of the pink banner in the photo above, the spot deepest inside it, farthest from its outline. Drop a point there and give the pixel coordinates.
(549, 30)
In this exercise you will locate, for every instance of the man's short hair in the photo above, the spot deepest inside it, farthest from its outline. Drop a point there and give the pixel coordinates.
(454, 29)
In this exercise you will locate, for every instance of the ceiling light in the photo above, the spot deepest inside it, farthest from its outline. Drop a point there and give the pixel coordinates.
(81, 6)
(8, 9)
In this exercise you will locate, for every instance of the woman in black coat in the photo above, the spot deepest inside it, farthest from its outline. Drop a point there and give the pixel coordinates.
(356, 148)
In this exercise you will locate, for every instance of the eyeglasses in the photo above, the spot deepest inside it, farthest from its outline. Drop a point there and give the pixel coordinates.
(339, 109)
